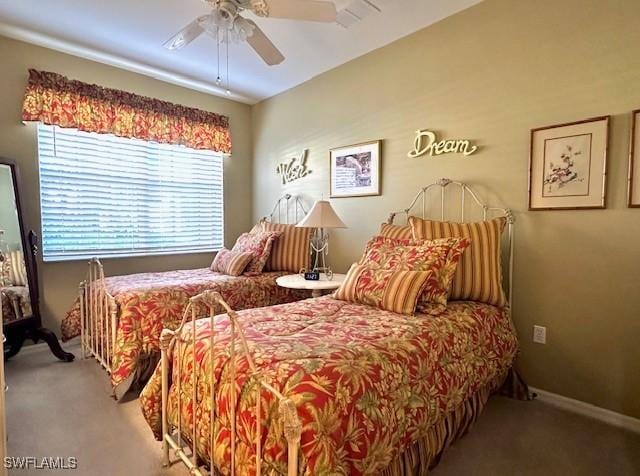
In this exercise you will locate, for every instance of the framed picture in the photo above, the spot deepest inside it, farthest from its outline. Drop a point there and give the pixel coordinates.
(355, 170)
(634, 161)
(568, 165)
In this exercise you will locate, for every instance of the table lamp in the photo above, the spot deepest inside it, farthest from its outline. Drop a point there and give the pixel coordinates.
(322, 217)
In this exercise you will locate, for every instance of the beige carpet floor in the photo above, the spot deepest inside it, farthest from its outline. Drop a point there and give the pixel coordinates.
(59, 409)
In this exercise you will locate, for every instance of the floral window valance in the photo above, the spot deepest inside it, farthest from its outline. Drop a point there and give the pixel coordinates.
(53, 99)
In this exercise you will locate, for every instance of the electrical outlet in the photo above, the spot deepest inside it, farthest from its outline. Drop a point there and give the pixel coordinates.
(540, 334)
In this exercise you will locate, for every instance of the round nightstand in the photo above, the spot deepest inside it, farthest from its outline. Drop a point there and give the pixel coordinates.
(295, 281)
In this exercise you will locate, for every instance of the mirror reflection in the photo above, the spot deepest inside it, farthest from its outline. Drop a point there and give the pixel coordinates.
(14, 286)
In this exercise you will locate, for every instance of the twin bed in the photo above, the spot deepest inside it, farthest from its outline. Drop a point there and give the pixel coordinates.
(367, 391)
(119, 318)
(325, 386)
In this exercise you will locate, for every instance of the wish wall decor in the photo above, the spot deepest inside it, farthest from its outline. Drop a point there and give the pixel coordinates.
(568, 165)
(294, 169)
(355, 170)
(427, 142)
(634, 161)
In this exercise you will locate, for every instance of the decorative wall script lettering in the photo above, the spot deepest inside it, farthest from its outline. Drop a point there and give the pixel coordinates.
(426, 142)
(294, 169)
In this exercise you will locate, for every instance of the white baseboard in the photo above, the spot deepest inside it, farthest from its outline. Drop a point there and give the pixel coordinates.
(588, 410)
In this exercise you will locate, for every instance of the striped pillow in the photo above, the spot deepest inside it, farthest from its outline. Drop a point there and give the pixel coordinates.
(231, 263)
(479, 273)
(402, 232)
(17, 270)
(290, 251)
(388, 289)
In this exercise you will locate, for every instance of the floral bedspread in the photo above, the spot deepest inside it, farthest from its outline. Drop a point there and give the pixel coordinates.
(367, 383)
(147, 302)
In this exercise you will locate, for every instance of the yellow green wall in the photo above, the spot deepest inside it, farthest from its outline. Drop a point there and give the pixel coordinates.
(491, 73)
(59, 281)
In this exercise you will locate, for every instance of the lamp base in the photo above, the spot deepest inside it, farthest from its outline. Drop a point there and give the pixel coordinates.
(320, 250)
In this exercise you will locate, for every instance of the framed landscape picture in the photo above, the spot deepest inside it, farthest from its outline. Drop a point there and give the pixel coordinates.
(355, 170)
(634, 161)
(568, 165)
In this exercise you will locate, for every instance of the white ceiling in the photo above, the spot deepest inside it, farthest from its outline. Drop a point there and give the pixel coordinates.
(130, 34)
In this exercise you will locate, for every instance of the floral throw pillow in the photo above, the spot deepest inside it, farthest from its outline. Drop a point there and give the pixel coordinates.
(259, 245)
(389, 289)
(441, 256)
(231, 263)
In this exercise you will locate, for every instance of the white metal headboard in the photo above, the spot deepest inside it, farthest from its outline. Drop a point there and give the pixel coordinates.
(488, 212)
(288, 206)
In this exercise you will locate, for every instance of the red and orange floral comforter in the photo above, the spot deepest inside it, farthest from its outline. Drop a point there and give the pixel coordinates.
(367, 383)
(147, 302)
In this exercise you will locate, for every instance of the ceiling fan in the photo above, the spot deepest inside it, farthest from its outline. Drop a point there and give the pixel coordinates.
(226, 19)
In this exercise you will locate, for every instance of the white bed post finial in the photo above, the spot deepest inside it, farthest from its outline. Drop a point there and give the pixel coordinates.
(292, 432)
(511, 219)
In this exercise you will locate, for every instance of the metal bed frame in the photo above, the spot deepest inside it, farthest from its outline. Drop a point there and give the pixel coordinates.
(172, 438)
(98, 308)
(289, 207)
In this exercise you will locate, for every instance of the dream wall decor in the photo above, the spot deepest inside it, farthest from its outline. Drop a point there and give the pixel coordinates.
(427, 142)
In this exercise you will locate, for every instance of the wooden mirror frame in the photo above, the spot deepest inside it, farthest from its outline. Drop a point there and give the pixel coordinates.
(29, 327)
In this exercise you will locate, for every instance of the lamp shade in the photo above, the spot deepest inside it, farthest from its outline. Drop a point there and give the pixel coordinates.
(321, 215)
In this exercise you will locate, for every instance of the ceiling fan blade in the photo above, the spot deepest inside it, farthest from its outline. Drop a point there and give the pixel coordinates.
(185, 36)
(309, 10)
(263, 46)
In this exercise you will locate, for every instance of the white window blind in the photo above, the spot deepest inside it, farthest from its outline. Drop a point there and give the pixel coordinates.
(109, 196)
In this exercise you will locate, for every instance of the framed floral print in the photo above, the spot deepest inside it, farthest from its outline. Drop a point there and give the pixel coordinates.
(355, 170)
(634, 161)
(568, 165)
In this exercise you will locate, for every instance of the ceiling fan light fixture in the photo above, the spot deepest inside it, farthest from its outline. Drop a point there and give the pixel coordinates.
(219, 19)
(225, 23)
(236, 29)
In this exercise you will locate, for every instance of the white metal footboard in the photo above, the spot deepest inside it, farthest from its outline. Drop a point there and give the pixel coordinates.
(98, 309)
(173, 440)
(97, 317)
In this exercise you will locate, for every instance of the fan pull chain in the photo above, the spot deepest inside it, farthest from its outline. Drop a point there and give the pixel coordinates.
(228, 90)
(218, 78)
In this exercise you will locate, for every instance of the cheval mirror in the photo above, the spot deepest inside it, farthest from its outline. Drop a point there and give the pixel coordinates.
(20, 309)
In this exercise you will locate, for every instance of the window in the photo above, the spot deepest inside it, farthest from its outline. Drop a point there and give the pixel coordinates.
(108, 196)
